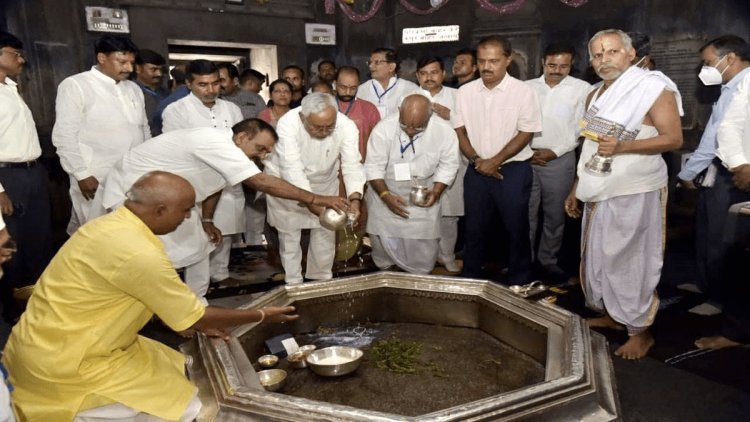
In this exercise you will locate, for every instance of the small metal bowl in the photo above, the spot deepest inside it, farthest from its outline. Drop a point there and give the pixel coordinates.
(418, 195)
(297, 359)
(272, 379)
(307, 348)
(268, 361)
(335, 361)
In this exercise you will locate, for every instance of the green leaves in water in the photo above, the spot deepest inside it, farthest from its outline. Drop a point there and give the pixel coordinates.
(402, 357)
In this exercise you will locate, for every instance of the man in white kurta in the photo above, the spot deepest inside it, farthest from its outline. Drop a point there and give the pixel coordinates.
(633, 116)
(100, 115)
(414, 146)
(385, 89)
(561, 98)
(430, 74)
(203, 108)
(315, 142)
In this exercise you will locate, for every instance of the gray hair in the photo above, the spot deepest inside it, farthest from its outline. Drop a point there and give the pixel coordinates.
(317, 102)
(625, 38)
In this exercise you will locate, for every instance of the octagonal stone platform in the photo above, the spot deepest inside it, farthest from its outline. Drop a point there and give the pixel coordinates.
(578, 377)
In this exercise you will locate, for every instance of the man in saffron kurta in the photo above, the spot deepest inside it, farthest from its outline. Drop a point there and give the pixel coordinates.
(76, 351)
(64, 358)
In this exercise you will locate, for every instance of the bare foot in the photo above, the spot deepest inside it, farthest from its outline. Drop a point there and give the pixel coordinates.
(717, 342)
(636, 347)
(605, 321)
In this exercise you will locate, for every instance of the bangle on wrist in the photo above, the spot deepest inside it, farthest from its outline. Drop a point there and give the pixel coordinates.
(262, 315)
(356, 199)
(207, 220)
(384, 193)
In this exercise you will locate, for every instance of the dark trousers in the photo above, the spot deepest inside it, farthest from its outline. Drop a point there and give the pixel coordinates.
(486, 200)
(30, 227)
(710, 221)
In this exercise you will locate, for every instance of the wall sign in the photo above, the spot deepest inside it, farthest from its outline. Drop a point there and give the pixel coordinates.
(105, 19)
(429, 34)
(321, 34)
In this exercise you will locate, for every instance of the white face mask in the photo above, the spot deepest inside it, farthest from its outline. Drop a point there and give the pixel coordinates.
(710, 75)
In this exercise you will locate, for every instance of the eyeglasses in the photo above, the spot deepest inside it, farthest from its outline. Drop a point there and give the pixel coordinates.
(376, 62)
(18, 53)
(404, 127)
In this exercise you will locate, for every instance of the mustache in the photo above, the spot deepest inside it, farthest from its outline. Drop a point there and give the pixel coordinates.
(487, 72)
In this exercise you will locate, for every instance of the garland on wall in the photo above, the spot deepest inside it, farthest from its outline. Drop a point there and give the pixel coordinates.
(500, 9)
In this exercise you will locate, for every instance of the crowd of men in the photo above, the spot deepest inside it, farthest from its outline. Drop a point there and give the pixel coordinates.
(162, 180)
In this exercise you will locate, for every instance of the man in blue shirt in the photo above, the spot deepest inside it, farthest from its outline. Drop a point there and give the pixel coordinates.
(726, 60)
(149, 72)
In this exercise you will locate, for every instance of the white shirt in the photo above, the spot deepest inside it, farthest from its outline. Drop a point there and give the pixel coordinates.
(733, 138)
(452, 202)
(433, 158)
(562, 107)
(492, 117)
(312, 164)
(206, 157)
(189, 112)
(97, 122)
(18, 138)
(386, 100)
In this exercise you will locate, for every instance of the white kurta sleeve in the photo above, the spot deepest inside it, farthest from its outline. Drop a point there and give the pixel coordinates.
(226, 158)
(143, 117)
(236, 114)
(69, 110)
(351, 166)
(173, 118)
(376, 161)
(288, 152)
(733, 129)
(449, 156)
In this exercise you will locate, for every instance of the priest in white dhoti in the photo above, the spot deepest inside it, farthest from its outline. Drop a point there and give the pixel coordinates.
(431, 74)
(203, 108)
(210, 159)
(100, 115)
(412, 147)
(316, 141)
(632, 117)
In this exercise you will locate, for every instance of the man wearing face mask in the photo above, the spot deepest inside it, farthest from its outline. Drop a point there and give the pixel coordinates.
(725, 61)
(315, 143)
(632, 116)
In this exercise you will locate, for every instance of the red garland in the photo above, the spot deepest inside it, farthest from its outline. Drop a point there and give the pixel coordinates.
(507, 8)
(408, 6)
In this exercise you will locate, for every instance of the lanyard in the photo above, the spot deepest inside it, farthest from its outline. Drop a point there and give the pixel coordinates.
(403, 147)
(380, 96)
(349, 108)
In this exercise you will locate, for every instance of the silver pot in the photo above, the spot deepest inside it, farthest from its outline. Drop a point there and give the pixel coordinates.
(599, 165)
(332, 219)
(418, 195)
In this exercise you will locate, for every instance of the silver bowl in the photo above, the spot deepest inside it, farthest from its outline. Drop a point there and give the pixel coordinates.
(307, 349)
(272, 379)
(335, 361)
(267, 361)
(332, 219)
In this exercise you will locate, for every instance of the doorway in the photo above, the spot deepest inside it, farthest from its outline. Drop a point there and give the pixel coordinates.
(261, 57)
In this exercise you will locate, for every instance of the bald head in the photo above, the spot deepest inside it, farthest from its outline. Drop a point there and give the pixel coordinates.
(414, 114)
(162, 200)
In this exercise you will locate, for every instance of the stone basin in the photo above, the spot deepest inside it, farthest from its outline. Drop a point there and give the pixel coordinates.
(532, 361)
